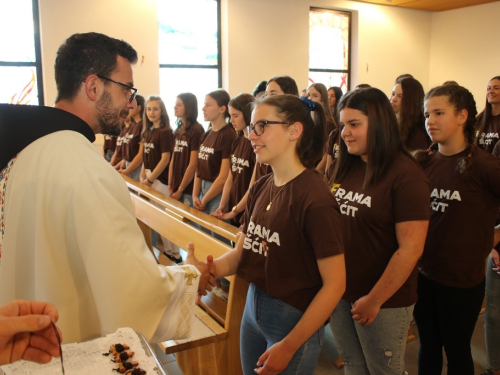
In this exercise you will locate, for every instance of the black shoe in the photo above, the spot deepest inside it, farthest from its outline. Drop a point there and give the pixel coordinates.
(177, 261)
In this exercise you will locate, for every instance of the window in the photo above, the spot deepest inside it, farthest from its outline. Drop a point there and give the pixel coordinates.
(329, 47)
(20, 58)
(189, 49)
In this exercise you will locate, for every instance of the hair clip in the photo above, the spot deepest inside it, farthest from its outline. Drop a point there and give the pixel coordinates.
(308, 103)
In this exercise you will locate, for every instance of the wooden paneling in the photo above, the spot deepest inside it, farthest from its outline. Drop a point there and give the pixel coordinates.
(431, 5)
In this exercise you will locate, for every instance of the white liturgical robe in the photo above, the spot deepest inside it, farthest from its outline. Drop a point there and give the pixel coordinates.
(71, 238)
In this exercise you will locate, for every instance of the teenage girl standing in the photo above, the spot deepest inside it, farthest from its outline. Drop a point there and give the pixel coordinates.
(187, 143)
(488, 121)
(406, 98)
(465, 198)
(132, 147)
(158, 145)
(291, 248)
(234, 195)
(384, 200)
(213, 156)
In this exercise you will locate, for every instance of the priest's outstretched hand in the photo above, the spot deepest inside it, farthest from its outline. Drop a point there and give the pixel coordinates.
(207, 281)
(26, 332)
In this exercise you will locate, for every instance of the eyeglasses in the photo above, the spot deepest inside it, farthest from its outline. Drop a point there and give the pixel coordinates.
(259, 126)
(133, 90)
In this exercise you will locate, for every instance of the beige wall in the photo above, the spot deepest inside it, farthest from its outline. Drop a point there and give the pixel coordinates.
(464, 48)
(263, 38)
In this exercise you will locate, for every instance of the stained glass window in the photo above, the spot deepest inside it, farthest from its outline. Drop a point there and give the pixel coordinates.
(189, 49)
(329, 47)
(20, 61)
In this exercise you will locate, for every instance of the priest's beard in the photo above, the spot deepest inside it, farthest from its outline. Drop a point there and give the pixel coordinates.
(109, 118)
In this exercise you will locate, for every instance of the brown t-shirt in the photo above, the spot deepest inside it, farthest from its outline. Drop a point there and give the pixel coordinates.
(262, 170)
(242, 165)
(282, 244)
(118, 148)
(369, 219)
(184, 145)
(131, 141)
(332, 147)
(161, 140)
(109, 143)
(418, 139)
(214, 147)
(464, 212)
(490, 135)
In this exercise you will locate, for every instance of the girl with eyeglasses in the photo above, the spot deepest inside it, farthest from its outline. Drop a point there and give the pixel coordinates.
(234, 195)
(465, 198)
(384, 201)
(213, 156)
(291, 248)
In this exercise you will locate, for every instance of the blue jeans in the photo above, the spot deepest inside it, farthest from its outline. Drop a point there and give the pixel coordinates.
(136, 173)
(377, 349)
(266, 321)
(108, 155)
(212, 206)
(492, 317)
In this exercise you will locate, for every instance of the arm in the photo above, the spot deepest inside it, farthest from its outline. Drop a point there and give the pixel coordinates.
(188, 174)
(160, 167)
(26, 332)
(113, 158)
(329, 161)
(495, 260)
(218, 184)
(277, 357)
(196, 194)
(411, 239)
(135, 162)
(496, 235)
(226, 192)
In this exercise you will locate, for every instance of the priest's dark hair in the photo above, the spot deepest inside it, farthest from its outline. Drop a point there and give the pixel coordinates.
(84, 54)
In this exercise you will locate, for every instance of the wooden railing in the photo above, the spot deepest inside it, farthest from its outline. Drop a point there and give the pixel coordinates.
(214, 345)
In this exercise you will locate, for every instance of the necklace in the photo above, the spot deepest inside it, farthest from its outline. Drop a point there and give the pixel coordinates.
(271, 199)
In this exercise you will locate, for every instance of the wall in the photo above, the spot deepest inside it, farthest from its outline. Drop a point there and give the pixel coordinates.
(464, 48)
(261, 38)
(134, 21)
(268, 38)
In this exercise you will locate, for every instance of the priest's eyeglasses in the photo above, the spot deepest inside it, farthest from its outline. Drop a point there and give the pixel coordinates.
(259, 126)
(132, 90)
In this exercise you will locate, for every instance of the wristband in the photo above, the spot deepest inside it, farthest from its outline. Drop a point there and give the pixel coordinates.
(180, 188)
(147, 179)
(235, 209)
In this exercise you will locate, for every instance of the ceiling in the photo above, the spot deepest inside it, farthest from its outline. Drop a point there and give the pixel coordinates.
(431, 5)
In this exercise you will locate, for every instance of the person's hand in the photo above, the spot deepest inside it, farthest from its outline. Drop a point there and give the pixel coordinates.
(217, 213)
(206, 279)
(122, 171)
(146, 182)
(197, 204)
(275, 359)
(26, 332)
(117, 166)
(228, 216)
(176, 195)
(495, 259)
(365, 310)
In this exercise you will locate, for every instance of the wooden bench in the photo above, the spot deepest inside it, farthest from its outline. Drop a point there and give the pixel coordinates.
(214, 345)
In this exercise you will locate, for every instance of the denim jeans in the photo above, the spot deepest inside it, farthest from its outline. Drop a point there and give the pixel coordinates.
(377, 349)
(212, 206)
(136, 173)
(108, 155)
(492, 317)
(266, 321)
(446, 317)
